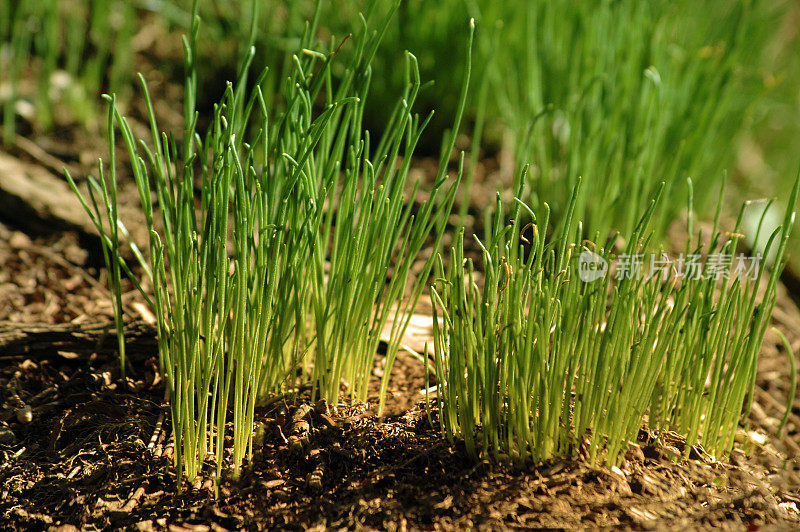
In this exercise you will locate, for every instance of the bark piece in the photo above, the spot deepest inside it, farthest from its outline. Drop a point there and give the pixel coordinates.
(38, 201)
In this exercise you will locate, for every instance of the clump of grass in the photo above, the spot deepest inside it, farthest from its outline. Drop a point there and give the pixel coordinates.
(709, 378)
(627, 95)
(281, 239)
(537, 362)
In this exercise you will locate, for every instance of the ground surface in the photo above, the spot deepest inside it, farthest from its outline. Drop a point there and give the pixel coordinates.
(81, 447)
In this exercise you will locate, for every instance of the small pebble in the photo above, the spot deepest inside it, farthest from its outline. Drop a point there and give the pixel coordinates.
(24, 414)
(19, 240)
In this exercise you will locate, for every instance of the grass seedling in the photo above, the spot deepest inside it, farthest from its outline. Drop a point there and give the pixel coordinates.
(627, 95)
(543, 360)
(712, 372)
(280, 239)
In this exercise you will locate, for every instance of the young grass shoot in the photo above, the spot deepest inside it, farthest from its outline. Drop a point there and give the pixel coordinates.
(545, 356)
(281, 240)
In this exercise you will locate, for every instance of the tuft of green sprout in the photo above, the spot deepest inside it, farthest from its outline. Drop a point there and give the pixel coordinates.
(534, 361)
(627, 95)
(281, 240)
